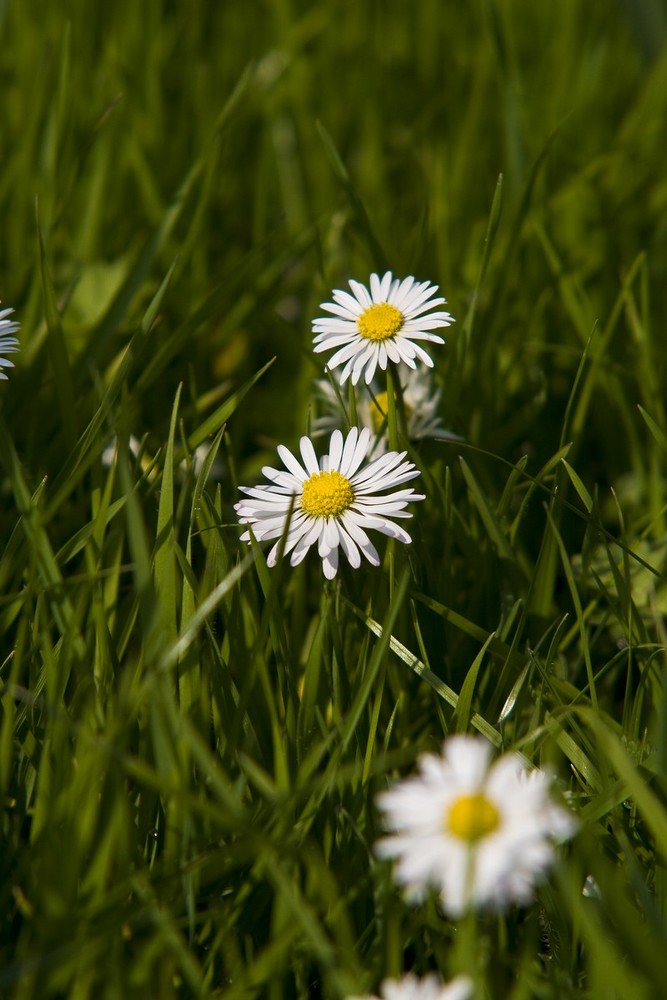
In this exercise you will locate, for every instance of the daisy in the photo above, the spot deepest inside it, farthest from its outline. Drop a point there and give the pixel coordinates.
(428, 988)
(331, 503)
(8, 343)
(420, 399)
(138, 449)
(480, 833)
(371, 328)
(195, 461)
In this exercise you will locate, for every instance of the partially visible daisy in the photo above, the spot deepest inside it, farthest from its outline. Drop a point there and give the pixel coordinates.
(371, 328)
(147, 463)
(196, 460)
(420, 398)
(481, 833)
(428, 988)
(8, 343)
(332, 502)
(110, 453)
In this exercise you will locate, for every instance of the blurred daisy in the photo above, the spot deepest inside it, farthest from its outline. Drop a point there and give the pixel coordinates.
(371, 328)
(480, 833)
(8, 343)
(420, 398)
(428, 988)
(332, 502)
(194, 462)
(137, 448)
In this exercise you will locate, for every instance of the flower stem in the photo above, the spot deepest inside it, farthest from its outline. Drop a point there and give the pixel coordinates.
(467, 949)
(352, 405)
(396, 420)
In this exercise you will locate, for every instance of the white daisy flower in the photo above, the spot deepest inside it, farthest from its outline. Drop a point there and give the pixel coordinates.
(371, 328)
(480, 833)
(420, 398)
(8, 343)
(332, 502)
(428, 988)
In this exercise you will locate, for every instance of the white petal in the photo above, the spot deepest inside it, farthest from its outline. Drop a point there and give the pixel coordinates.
(420, 331)
(295, 534)
(346, 312)
(392, 351)
(347, 371)
(360, 293)
(360, 537)
(372, 364)
(376, 293)
(348, 452)
(304, 543)
(425, 307)
(365, 351)
(349, 352)
(349, 301)
(330, 564)
(259, 508)
(380, 286)
(419, 297)
(394, 478)
(335, 449)
(440, 316)
(386, 527)
(469, 757)
(285, 480)
(360, 451)
(357, 372)
(421, 354)
(400, 293)
(329, 341)
(308, 455)
(330, 537)
(378, 467)
(290, 462)
(349, 548)
(395, 509)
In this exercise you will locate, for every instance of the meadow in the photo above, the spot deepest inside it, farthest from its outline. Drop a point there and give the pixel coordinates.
(193, 742)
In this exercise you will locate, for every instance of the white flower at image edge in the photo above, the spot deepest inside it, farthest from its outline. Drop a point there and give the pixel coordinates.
(428, 988)
(480, 833)
(374, 326)
(8, 343)
(333, 502)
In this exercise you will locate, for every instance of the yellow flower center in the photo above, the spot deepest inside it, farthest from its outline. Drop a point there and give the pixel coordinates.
(326, 494)
(379, 321)
(472, 817)
(379, 411)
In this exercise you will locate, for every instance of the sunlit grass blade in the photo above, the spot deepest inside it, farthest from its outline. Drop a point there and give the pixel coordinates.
(463, 712)
(164, 568)
(443, 690)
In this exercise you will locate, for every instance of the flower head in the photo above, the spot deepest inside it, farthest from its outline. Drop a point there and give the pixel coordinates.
(420, 398)
(372, 327)
(428, 988)
(480, 833)
(8, 343)
(331, 502)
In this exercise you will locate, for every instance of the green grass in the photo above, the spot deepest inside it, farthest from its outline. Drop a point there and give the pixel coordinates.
(190, 743)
